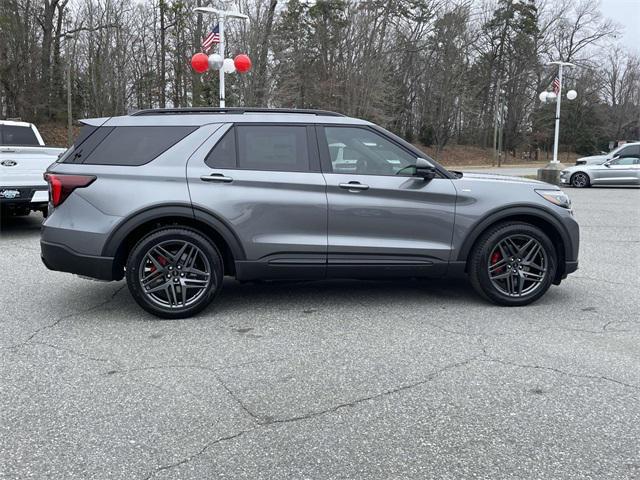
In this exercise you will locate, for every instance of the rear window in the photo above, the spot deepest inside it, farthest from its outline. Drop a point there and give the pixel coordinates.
(271, 147)
(17, 136)
(128, 146)
(86, 142)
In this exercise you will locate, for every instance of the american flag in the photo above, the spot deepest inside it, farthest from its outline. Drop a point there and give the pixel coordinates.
(556, 85)
(212, 37)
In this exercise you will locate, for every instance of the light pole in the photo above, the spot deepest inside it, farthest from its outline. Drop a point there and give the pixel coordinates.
(551, 173)
(556, 135)
(222, 15)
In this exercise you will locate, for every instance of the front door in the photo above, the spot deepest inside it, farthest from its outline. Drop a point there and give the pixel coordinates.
(264, 182)
(383, 220)
(620, 171)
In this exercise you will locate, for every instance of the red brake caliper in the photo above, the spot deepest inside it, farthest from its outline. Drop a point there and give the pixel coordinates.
(161, 260)
(495, 258)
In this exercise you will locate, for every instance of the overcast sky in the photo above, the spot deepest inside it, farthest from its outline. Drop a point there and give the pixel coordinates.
(627, 14)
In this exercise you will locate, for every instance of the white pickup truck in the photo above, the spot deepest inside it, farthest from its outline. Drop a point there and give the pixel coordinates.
(23, 161)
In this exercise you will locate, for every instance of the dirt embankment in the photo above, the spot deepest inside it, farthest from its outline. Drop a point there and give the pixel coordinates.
(55, 135)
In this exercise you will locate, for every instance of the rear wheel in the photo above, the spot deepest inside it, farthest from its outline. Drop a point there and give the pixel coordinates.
(513, 264)
(174, 273)
(580, 180)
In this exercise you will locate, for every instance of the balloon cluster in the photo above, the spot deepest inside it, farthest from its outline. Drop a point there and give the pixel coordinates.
(201, 63)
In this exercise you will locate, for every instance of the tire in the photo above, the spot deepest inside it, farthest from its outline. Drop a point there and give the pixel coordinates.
(501, 275)
(580, 180)
(174, 272)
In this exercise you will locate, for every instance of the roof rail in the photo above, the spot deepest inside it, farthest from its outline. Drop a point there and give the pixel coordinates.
(235, 110)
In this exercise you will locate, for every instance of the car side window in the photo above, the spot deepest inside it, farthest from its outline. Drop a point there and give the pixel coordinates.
(624, 161)
(129, 146)
(272, 147)
(363, 152)
(223, 154)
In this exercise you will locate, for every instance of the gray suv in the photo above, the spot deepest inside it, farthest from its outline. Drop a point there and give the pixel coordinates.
(175, 199)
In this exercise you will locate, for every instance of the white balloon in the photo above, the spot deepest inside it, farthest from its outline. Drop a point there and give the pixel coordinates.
(215, 61)
(551, 95)
(228, 66)
(543, 97)
(572, 94)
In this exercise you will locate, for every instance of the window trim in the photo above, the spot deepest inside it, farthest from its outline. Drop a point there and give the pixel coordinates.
(313, 154)
(325, 156)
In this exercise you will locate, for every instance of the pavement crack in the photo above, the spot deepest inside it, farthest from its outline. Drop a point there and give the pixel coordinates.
(65, 317)
(562, 372)
(195, 455)
(377, 396)
(262, 423)
(237, 399)
(74, 352)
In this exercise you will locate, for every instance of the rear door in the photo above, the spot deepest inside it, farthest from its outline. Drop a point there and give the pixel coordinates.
(383, 221)
(264, 182)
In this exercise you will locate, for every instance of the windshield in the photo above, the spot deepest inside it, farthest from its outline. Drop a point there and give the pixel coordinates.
(18, 135)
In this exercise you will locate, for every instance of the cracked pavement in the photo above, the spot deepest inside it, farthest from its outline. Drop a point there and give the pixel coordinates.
(324, 380)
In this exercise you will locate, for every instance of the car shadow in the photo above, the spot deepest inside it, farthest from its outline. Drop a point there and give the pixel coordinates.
(315, 295)
(29, 224)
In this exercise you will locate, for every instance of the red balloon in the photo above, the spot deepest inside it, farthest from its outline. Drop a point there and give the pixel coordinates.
(242, 63)
(200, 62)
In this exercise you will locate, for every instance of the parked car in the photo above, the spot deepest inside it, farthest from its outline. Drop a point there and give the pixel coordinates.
(619, 171)
(631, 149)
(175, 199)
(23, 161)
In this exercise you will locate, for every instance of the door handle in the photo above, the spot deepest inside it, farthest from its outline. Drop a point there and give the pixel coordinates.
(216, 177)
(354, 186)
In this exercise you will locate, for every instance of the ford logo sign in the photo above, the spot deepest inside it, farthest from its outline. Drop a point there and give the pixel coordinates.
(9, 163)
(9, 194)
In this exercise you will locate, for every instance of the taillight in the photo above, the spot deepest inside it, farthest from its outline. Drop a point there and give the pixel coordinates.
(61, 186)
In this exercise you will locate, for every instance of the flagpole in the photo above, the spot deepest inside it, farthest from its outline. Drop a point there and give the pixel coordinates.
(221, 71)
(551, 172)
(556, 135)
(222, 16)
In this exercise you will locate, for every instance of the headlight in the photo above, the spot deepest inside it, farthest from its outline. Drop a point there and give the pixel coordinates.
(557, 197)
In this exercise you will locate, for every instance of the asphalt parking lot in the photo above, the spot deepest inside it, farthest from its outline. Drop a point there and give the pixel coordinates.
(326, 380)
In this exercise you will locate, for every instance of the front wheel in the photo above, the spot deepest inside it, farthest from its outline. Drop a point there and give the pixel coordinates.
(174, 272)
(513, 264)
(580, 180)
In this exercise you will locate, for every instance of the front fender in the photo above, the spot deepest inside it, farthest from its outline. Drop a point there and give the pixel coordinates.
(521, 212)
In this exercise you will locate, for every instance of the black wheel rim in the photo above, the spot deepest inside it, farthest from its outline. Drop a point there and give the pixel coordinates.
(175, 274)
(579, 180)
(517, 265)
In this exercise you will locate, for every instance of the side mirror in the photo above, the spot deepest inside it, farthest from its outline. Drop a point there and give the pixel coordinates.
(607, 164)
(425, 170)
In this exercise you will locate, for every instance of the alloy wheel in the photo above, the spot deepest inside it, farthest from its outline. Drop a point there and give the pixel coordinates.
(517, 265)
(175, 274)
(580, 180)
